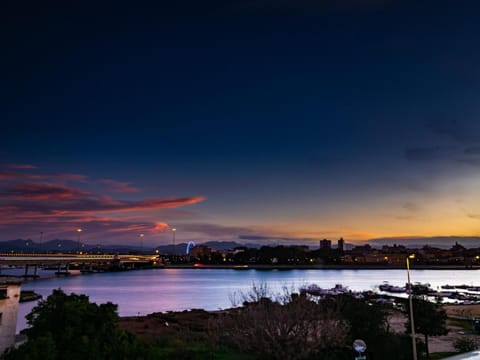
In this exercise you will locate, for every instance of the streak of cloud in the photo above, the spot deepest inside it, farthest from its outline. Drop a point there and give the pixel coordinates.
(428, 153)
(461, 131)
(118, 186)
(12, 176)
(410, 206)
(20, 166)
(39, 191)
(213, 230)
(43, 202)
(472, 150)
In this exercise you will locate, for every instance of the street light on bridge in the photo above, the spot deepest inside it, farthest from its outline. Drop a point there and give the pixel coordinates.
(79, 231)
(173, 240)
(141, 241)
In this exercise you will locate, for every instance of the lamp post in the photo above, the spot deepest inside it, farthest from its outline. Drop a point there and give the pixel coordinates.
(410, 302)
(141, 241)
(79, 231)
(173, 240)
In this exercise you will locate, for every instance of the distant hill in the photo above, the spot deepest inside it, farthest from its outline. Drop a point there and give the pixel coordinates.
(62, 245)
(444, 242)
(28, 245)
(57, 245)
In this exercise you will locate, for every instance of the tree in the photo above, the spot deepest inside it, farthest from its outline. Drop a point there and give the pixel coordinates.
(71, 327)
(365, 319)
(286, 326)
(429, 319)
(369, 321)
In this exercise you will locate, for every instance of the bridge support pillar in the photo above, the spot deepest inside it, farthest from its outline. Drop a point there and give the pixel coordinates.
(27, 275)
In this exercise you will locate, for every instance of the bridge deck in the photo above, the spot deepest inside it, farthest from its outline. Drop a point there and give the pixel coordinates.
(40, 259)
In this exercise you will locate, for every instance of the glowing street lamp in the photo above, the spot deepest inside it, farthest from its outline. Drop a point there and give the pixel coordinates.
(79, 231)
(141, 241)
(173, 240)
(410, 302)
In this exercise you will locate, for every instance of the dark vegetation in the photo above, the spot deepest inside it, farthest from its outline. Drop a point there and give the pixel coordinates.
(71, 327)
(429, 319)
(285, 326)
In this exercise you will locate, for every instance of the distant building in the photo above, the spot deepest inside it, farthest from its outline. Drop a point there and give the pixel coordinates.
(362, 249)
(457, 247)
(9, 299)
(397, 249)
(341, 245)
(325, 244)
(199, 251)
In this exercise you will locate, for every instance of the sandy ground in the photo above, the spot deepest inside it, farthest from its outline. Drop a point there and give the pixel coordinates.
(463, 310)
(444, 343)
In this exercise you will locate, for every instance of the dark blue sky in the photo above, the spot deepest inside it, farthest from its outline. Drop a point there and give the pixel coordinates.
(280, 119)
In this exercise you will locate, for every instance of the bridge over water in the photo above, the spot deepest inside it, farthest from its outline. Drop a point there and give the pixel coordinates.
(80, 260)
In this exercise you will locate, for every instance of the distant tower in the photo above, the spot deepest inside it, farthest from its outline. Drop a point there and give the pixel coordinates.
(325, 244)
(9, 298)
(341, 245)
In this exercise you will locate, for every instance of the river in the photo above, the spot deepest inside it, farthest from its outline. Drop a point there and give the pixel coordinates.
(143, 292)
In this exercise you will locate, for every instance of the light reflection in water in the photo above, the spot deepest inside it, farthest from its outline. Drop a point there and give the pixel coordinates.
(148, 291)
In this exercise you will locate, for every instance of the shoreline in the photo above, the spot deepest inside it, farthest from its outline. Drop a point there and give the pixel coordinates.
(153, 325)
(319, 267)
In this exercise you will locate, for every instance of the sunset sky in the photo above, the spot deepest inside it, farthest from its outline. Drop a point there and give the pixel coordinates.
(274, 121)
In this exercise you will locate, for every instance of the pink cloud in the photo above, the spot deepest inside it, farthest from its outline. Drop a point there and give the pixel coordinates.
(166, 203)
(11, 176)
(8, 175)
(20, 166)
(35, 203)
(118, 186)
(41, 191)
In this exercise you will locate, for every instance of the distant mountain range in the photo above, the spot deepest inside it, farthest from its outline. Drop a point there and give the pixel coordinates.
(444, 242)
(59, 245)
(22, 245)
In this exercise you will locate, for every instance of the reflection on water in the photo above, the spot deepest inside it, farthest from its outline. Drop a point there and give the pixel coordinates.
(147, 291)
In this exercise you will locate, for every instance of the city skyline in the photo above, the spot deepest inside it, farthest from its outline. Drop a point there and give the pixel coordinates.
(280, 124)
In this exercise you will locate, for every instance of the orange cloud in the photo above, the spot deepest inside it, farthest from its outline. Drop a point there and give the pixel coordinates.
(160, 227)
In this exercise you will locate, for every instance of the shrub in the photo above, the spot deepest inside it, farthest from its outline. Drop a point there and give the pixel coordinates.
(465, 344)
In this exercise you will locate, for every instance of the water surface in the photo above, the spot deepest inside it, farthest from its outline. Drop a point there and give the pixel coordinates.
(143, 292)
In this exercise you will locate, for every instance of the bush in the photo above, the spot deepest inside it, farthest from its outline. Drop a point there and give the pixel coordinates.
(283, 326)
(71, 327)
(465, 344)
